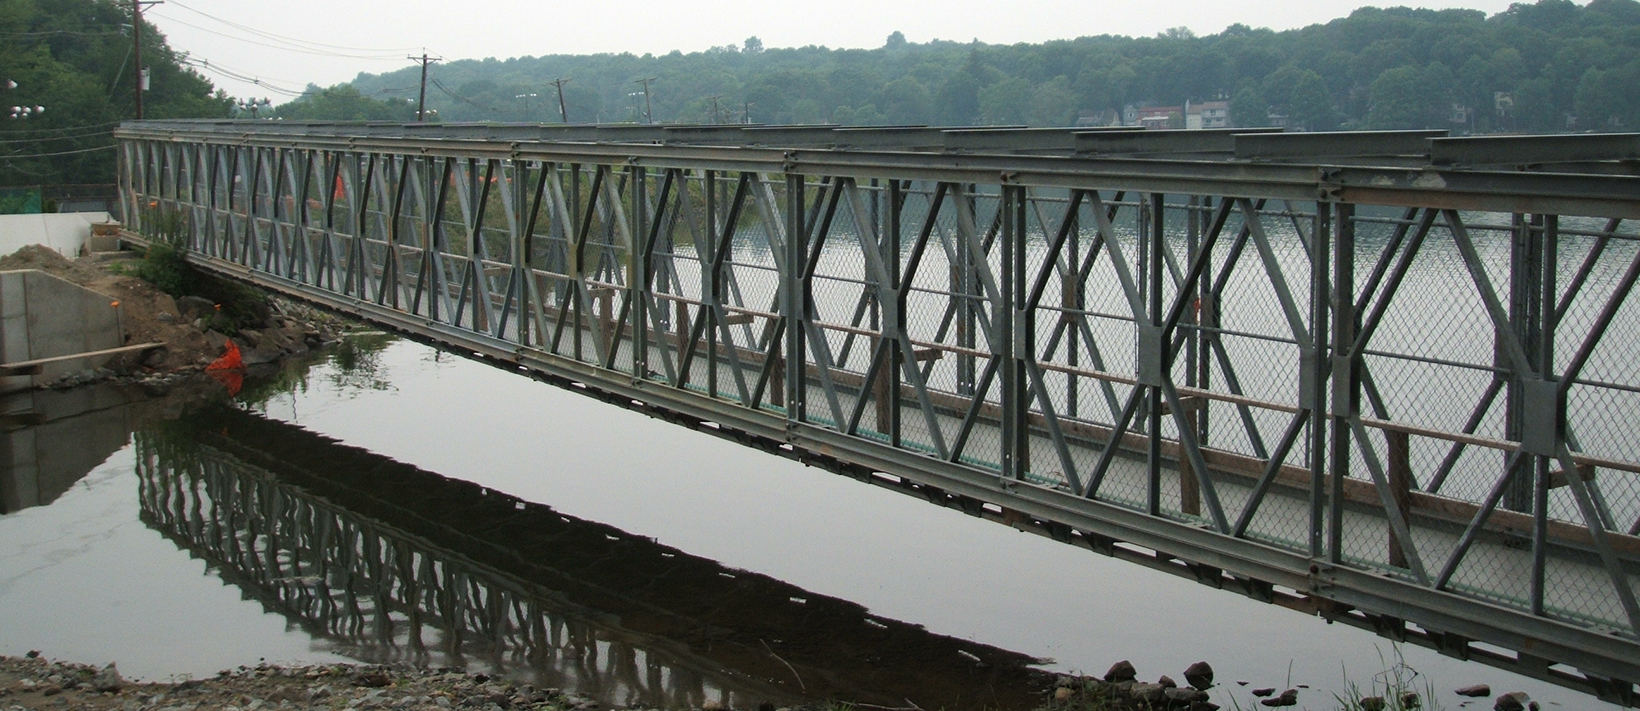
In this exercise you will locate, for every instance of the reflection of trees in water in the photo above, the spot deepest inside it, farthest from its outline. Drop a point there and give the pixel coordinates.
(352, 364)
(390, 563)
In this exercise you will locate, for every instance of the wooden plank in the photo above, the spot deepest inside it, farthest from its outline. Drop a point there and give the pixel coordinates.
(32, 367)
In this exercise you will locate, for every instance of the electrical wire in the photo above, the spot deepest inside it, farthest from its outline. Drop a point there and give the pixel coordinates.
(298, 49)
(59, 153)
(294, 40)
(59, 129)
(453, 95)
(275, 88)
(50, 33)
(42, 139)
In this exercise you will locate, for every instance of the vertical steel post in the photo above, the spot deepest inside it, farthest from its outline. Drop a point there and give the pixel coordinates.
(638, 277)
(1153, 242)
(795, 286)
(1548, 258)
(1313, 374)
(1346, 376)
(1526, 317)
(896, 356)
(1007, 333)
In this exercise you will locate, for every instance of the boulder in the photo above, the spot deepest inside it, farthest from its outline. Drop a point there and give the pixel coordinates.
(1121, 671)
(1185, 695)
(107, 680)
(1512, 701)
(1372, 703)
(192, 307)
(1199, 675)
(1148, 693)
(1168, 682)
(1476, 691)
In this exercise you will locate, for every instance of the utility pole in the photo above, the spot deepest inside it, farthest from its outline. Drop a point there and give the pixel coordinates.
(716, 116)
(648, 108)
(136, 47)
(563, 112)
(421, 103)
(746, 113)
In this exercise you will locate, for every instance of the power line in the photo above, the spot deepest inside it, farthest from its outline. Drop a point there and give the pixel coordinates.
(453, 95)
(51, 33)
(295, 40)
(287, 48)
(43, 139)
(59, 129)
(59, 153)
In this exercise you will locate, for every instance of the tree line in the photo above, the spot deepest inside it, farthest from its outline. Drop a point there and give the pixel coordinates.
(67, 79)
(1548, 66)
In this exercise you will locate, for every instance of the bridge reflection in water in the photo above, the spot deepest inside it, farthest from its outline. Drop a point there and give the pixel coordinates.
(391, 563)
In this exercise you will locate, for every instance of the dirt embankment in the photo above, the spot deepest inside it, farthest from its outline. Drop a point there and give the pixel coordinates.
(189, 326)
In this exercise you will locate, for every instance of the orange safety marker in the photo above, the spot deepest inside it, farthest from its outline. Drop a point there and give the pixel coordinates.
(230, 359)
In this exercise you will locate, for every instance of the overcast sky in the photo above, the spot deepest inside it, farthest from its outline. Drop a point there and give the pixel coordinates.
(345, 37)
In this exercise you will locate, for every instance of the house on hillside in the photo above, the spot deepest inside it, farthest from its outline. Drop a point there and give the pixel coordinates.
(1207, 114)
(1158, 117)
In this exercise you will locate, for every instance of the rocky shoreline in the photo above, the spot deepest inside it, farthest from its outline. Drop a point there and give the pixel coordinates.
(33, 682)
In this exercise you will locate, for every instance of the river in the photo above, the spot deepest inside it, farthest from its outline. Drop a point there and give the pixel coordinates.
(90, 574)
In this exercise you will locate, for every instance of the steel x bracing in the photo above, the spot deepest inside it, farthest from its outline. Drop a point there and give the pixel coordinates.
(1383, 376)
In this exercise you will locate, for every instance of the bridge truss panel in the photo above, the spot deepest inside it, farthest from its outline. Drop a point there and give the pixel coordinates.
(1404, 396)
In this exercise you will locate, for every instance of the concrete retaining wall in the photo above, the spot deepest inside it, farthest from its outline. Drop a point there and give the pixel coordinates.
(42, 316)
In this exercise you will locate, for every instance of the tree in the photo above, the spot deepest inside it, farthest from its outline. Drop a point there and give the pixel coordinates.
(1248, 108)
(1409, 97)
(1005, 102)
(71, 57)
(752, 45)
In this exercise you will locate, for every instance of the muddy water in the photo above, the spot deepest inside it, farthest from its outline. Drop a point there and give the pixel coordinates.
(392, 503)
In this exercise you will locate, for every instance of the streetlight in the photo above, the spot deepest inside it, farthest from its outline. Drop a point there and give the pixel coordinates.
(526, 98)
(22, 112)
(253, 106)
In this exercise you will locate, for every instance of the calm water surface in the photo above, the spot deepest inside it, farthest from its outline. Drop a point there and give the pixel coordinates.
(96, 572)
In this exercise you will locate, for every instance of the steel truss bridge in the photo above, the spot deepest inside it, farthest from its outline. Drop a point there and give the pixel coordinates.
(1386, 377)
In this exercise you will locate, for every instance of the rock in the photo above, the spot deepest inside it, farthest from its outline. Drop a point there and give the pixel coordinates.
(1199, 675)
(1372, 703)
(1512, 701)
(1168, 682)
(1183, 696)
(250, 337)
(374, 680)
(1477, 691)
(1264, 692)
(107, 680)
(1148, 693)
(199, 323)
(1121, 671)
(165, 317)
(1410, 700)
(1062, 693)
(317, 693)
(195, 307)
(266, 353)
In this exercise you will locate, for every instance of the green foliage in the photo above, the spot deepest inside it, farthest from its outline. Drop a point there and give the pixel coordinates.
(344, 103)
(73, 58)
(166, 267)
(1525, 69)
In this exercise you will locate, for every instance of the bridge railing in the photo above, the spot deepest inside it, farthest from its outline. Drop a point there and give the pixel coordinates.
(1388, 371)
